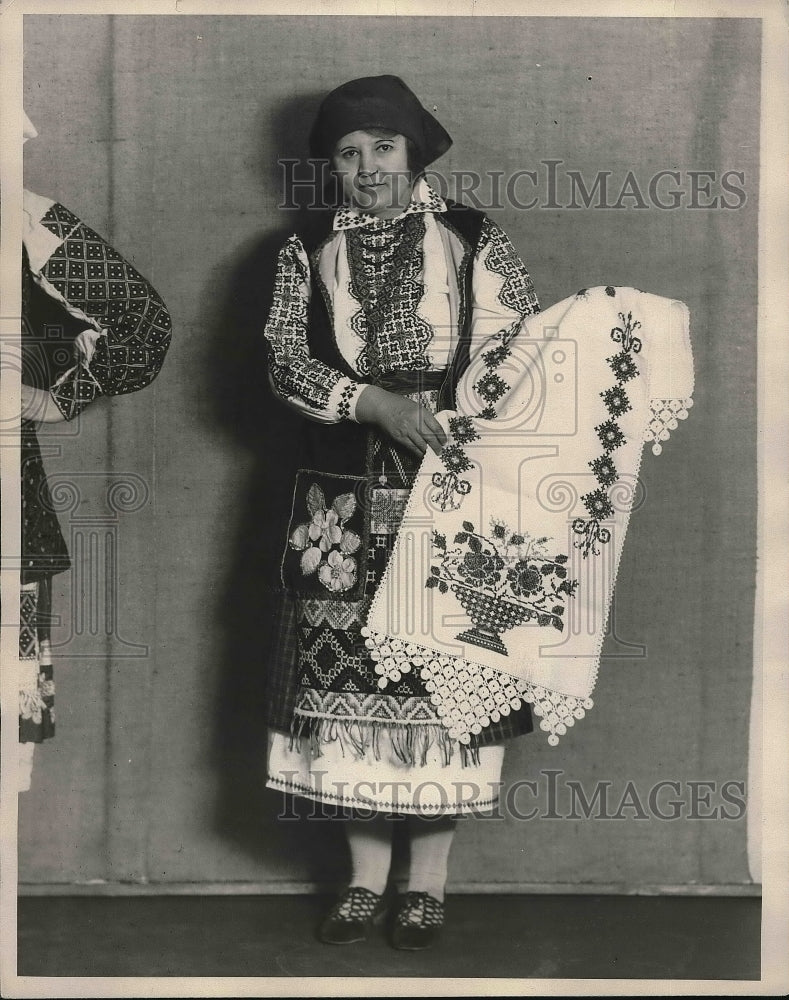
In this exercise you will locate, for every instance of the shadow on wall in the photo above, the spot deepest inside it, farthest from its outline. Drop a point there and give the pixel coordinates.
(267, 432)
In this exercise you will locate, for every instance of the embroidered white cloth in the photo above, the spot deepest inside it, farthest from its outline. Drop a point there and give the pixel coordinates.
(500, 583)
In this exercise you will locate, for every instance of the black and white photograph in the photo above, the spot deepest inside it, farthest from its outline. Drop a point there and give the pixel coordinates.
(393, 499)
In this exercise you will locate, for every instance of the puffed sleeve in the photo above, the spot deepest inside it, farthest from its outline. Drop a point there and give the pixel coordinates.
(316, 390)
(503, 297)
(126, 322)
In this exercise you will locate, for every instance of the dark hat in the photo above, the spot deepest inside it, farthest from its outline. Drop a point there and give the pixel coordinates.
(377, 102)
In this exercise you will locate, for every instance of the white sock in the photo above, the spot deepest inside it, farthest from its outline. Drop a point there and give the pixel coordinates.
(430, 840)
(370, 844)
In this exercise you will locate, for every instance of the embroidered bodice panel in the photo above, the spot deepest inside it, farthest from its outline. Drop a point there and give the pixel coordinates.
(385, 278)
(393, 287)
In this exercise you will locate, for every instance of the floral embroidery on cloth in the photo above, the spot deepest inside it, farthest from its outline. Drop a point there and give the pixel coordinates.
(597, 502)
(501, 580)
(530, 482)
(326, 545)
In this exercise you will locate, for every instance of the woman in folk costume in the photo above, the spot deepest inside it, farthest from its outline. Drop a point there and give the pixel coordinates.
(91, 326)
(379, 308)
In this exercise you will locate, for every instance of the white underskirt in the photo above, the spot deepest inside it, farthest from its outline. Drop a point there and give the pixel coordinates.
(24, 765)
(341, 777)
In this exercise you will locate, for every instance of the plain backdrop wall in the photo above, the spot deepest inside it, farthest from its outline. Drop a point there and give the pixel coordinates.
(163, 133)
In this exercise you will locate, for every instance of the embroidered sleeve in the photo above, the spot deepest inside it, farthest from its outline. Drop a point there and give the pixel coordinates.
(503, 297)
(315, 389)
(127, 323)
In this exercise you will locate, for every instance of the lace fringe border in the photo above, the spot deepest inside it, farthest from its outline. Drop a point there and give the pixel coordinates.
(469, 696)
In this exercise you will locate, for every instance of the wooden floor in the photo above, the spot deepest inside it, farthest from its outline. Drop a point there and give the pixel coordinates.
(628, 937)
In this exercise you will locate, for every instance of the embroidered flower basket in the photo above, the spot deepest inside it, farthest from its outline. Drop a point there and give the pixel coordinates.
(491, 616)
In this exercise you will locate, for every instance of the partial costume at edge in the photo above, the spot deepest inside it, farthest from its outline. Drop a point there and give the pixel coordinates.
(74, 284)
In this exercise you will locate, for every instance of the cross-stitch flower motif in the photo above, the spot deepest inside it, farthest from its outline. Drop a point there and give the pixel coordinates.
(494, 357)
(604, 470)
(491, 387)
(462, 430)
(625, 334)
(498, 529)
(524, 578)
(338, 573)
(455, 459)
(598, 504)
(479, 568)
(616, 401)
(623, 366)
(489, 413)
(610, 435)
(501, 580)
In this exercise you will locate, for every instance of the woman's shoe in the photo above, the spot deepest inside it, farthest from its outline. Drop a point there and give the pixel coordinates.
(352, 915)
(418, 922)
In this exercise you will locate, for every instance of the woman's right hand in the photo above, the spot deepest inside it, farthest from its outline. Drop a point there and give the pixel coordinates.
(408, 423)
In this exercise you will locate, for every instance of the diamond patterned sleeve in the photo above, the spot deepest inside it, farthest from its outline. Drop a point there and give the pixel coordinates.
(134, 327)
(316, 390)
(503, 297)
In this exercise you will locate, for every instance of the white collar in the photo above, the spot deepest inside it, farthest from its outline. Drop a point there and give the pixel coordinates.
(423, 199)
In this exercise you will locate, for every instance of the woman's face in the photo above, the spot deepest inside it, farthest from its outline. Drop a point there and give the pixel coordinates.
(374, 172)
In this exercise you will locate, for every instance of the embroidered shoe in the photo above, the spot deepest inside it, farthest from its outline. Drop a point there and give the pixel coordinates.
(418, 922)
(352, 915)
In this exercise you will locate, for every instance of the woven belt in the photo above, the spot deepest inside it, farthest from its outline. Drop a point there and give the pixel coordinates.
(403, 382)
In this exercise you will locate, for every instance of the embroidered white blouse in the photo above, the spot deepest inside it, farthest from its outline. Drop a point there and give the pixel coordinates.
(502, 297)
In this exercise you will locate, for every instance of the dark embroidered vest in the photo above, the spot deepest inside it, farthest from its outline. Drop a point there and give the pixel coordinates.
(342, 448)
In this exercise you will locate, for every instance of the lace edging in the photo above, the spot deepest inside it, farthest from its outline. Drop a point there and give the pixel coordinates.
(665, 417)
(467, 696)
